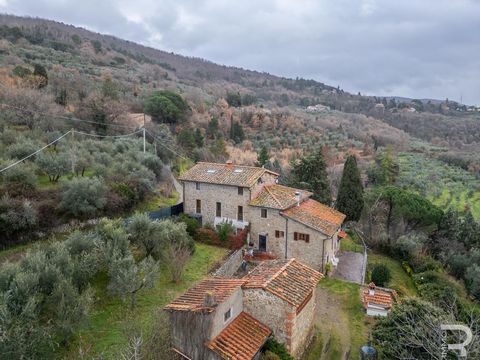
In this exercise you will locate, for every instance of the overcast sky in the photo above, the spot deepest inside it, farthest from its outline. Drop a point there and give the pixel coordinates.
(413, 48)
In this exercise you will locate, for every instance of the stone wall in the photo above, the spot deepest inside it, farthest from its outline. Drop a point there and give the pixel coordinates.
(268, 226)
(231, 265)
(209, 195)
(270, 310)
(302, 329)
(309, 253)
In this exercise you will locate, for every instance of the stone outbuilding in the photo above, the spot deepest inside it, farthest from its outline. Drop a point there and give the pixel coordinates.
(281, 294)
(208, 322)
(378, 301)
(221, 318)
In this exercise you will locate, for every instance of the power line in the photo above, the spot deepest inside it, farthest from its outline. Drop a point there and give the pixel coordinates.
(57, 139)
(165, 146)
(108, 136)
(64, 117)
(36, 152)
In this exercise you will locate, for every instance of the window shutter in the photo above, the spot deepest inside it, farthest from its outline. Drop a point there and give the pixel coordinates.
(277, 234)
(307, 238)
(295, 236)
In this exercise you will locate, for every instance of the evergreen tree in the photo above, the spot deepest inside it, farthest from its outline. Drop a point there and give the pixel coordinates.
(350, 192)
(213, 129)
(310, 173)
(41, 73)
(263, 157)
(198, 138)
(236, 132)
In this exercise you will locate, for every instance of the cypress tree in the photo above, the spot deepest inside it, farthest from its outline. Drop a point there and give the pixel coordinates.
(310, 173)
(263, 157)
(350, 192)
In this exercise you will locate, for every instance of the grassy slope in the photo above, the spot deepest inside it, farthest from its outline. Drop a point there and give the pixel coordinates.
(348, 244)
(400, 281)
(106, 333)
(156, 202)
(349, 302)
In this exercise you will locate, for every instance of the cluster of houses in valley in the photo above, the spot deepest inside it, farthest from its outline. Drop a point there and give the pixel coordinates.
(232, 317)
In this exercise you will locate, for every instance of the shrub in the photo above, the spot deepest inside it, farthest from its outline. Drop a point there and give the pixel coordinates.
(20, 179)
(381, 275)
(237, 241)
(17, 217)
(277, 348)
(224, 230)
(191, 223)
(207, 236)
(409, 246)
(83, 197)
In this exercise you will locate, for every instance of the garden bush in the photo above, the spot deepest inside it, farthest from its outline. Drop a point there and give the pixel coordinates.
(381, 275)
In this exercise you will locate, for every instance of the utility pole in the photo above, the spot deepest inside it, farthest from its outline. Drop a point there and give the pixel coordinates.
(72, 149)
(144, 133)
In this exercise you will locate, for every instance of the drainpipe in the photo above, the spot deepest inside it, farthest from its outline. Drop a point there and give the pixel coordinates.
(286, 238)
(323, 252)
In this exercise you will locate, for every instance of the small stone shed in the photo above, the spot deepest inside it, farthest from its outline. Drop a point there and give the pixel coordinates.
(281, 294)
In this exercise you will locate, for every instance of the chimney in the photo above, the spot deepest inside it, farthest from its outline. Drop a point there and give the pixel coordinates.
(297, 197)
(209, 299)
(371, 289)
(230, 164)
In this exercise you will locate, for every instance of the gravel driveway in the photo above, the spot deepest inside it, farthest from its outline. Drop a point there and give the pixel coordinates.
(349, 267)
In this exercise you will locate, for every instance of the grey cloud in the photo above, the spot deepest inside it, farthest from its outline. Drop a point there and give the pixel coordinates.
(383, 47)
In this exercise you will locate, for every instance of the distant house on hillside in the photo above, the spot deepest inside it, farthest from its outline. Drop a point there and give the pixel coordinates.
(317, 108)
(221, 318)
(281, 220)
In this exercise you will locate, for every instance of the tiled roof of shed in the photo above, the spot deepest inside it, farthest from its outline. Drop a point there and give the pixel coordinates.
(381, 298)
(225, 174)
(241, 339)
(278, 197)
(317, 216)
(290, 280)
(193, 298)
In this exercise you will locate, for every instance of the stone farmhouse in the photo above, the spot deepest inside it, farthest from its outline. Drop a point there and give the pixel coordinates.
(222, 318)
(283, 221)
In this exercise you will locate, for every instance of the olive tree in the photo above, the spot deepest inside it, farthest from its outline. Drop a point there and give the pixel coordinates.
(83, 197)
(127, 278)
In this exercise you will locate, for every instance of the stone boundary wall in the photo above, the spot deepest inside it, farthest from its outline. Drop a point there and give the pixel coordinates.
(231, 265)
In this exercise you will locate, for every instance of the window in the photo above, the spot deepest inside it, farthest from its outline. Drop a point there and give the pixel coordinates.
(279, 234)
(263, 213)
(301, 236)
(240, 213)
(240, 190)
(219, 209)
(197, 185)
(199, 206)
(227, 315)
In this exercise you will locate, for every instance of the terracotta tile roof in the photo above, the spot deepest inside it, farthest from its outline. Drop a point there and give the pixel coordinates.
(290, 280)
(241, 339)
(342, 234)
(317, 216)
(380, 298)
(193, 298)
(214, 173)
(278, 197)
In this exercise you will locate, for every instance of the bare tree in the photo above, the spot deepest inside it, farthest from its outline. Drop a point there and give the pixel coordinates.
(176, 257)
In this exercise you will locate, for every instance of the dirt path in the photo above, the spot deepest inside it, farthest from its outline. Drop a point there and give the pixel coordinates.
(333, 324)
